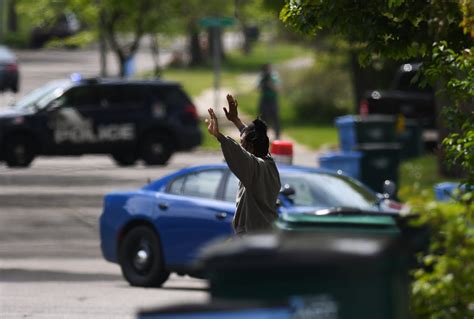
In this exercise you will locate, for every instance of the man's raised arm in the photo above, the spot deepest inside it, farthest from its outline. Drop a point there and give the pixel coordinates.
(232, 114)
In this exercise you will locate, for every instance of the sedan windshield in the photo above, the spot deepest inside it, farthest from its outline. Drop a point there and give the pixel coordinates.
(327, 190)
(42, 96)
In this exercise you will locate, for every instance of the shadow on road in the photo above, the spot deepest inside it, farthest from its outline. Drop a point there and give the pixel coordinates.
(185, 288)
(23, 275)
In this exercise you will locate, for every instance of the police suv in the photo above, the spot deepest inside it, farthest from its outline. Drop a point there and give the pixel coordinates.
(130, 120)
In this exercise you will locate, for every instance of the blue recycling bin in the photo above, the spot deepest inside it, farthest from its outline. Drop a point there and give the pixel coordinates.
(355, 130)
(347, 162)
(444, 191)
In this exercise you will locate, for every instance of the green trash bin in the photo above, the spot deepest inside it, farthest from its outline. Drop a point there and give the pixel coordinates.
(354, 130)
(379, 162)
(411, 139)
(343, 266)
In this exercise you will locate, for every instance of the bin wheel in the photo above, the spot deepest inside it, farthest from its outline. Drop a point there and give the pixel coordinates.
(19, 151)
(156, 150)
(141, 259)
(124, 159)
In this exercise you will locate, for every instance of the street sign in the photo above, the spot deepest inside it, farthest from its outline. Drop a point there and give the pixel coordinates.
(216, 22)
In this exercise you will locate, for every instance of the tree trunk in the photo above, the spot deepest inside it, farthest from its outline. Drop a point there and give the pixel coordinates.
(358, 80)
(155, 54)
(251, 35)
(102, 46)
(12, 16)
(247, 45)
(122, 59)
(445, 170)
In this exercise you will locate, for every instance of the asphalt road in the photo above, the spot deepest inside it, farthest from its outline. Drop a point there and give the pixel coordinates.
(50, 262)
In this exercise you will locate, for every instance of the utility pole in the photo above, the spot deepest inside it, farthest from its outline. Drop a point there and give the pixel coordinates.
(216, 55)
(216, 24)
(2, 21)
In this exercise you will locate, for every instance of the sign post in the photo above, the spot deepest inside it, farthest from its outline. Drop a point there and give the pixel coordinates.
(215, 25)
(2, 22)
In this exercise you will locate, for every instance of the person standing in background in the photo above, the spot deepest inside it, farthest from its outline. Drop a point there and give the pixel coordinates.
(268, 104)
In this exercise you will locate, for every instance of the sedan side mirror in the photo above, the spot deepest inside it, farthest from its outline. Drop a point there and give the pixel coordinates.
(389, 189)
(287, 190)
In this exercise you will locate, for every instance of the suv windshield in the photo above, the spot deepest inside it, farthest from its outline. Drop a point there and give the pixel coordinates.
(327, 190)
(6, 55)
(42, 96)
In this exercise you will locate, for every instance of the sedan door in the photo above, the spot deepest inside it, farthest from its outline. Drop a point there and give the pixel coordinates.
(192, 215)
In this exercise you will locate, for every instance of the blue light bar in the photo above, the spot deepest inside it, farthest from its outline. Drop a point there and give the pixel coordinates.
(75, 77)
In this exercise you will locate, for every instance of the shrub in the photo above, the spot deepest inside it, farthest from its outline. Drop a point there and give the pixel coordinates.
(320, 93)
(444, 284)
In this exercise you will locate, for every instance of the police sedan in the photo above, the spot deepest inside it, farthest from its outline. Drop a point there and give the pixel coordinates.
(161, 227)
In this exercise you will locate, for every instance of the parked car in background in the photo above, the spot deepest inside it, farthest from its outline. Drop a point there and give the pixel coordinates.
(405, 97)
(65, 26)
(145, 120)
(161, 227)
(9, 75)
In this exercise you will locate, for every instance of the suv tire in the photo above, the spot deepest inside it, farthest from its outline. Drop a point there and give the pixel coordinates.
(19, 151)
(141, 259)
(156, 149)
(124, 159)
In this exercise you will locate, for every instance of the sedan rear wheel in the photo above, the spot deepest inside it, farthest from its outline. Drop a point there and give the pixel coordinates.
(141, 259)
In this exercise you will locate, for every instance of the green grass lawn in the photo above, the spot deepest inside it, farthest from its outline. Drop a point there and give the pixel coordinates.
(420, 175)
(313, 136)
(195, 80)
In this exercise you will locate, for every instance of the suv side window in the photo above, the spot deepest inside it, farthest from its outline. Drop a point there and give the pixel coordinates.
(82, 97)
(124, 96)
(173, 97)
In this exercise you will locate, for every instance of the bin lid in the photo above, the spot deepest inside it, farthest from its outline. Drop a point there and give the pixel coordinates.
(348, 216)
(345, 120)
(339, 155)
(447, 185)
(375, 118)
(220, 309)
(299, 250)
(378, 146)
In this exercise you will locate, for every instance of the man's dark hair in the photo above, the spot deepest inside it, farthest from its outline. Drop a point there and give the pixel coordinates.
(256, 135)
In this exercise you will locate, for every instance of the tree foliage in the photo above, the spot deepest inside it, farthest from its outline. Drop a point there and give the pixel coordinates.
(123, 23)
(397, 29)
(440, 34)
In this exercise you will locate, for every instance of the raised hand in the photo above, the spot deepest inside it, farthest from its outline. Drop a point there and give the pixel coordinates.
(231, 114)
(212, 124)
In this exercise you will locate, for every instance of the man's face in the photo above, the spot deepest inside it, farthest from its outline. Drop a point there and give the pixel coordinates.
(245, 144)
